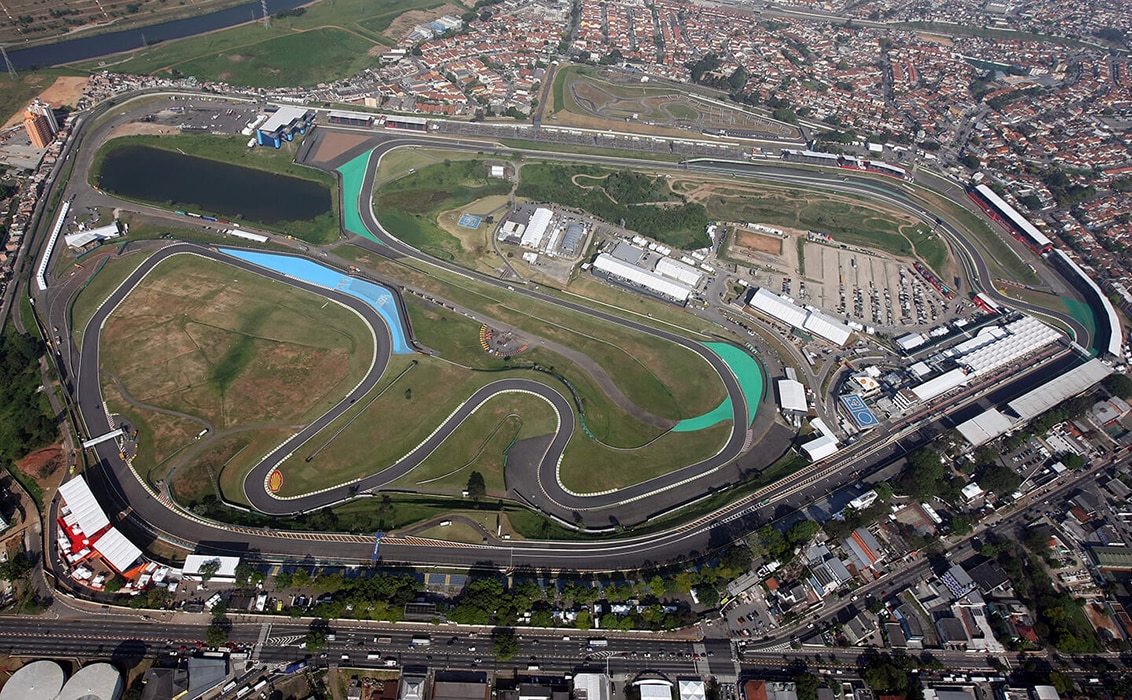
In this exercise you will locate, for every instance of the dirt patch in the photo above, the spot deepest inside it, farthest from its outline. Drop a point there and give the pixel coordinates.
(66, 90)
(141, 128)
(46, 466)
(237, 58)
(333, 144)
(759, 241)
(404, 24)
(376, 50)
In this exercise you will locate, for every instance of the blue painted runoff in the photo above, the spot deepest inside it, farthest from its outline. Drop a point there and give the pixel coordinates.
(375, 295)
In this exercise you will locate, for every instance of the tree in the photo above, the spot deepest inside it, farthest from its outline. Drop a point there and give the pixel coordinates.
(17, 567)
(217, 633)
(1002, 481)
(209, 569)
(316, 640)
(477, 488)
(1119, 385)
(504, 643)
(283, 579)
(924, 475)
(114, 584)
(807, 686)
(301, 577)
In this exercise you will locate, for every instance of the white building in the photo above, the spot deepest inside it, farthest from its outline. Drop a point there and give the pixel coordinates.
(685, 274)
(639, 276)
(792, 396)
(807, 318)
(823, 446)
(536, 228)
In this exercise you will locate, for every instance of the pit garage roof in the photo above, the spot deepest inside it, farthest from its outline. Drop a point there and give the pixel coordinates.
(1011, 213)
(81, 501)
(119, 552)
(1023, 337)
(1058, 389)
(792, 395)
(985, 427)
(940, 385)
(640, 276)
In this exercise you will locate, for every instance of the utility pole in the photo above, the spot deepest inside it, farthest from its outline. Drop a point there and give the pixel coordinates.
(8, 65)
(266, 17)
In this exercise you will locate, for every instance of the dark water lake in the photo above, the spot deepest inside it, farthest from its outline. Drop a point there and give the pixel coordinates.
(211, 187)
(89, 47)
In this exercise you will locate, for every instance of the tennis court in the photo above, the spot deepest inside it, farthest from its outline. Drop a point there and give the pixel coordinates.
(469, 220)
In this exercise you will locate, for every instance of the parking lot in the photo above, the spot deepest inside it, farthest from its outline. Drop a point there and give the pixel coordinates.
(885, 293)
(202, 115)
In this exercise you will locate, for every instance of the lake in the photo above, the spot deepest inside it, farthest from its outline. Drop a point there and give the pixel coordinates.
(211, 187)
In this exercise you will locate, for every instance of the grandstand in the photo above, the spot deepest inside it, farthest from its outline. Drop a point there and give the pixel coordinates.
(1110, 334)
(1000, 210)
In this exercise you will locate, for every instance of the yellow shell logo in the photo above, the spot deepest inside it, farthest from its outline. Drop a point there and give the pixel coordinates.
(275, 481)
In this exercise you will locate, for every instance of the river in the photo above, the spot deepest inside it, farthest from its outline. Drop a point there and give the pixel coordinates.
(88, 47)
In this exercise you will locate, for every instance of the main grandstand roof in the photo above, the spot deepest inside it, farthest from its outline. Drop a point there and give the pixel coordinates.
(985, 427)
(1060, 388)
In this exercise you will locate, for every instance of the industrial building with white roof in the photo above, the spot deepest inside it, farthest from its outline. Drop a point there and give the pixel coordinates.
(640, 277)
(806, 318)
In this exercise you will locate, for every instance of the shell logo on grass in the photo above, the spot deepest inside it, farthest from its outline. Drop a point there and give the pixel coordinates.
(275, 481)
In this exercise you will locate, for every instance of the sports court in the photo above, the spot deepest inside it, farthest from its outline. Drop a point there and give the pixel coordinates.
(469, 221)
(861, 413)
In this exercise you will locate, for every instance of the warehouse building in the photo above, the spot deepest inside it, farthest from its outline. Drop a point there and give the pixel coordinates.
(536, 228)
(806, 318)
(792, 397)
(81, 239)
(283, 125)
(681, 272)
(823, 446)
(640, 279)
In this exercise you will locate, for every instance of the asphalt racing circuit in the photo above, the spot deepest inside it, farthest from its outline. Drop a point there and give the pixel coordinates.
(152, 512)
